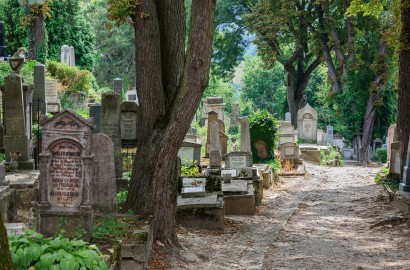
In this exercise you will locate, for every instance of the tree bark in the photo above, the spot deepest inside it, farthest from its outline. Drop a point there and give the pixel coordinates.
(170, 85)
(5, 257)
(37, 33)
(403, 114)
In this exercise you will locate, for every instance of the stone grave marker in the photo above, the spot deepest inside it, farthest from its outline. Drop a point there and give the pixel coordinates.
(190, 153)
(395, 161)
(405, 183)
(129, 114)
(53, 104)
(245, 135)
(290, 151)
(3, 181)
(104, 183)
(193, 192)
(215, 158)
(390, 138)
(229, 171)
(110, 125)
(307, 123)
(286, 133)
(338, 141)
(329, 134)
(39, 94)
(66, 176)
(238, 160)
(15, 228)
(288, 117)
(131, 95)
(348, 153)
(118, 86)
(65, 55)
(95, 112)
(233, 124)
(72, 56)
(377, 143)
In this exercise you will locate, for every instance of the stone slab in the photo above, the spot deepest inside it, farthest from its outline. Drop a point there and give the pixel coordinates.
(15, 228)
(231, 171)
(193, 182)
(23, 179)
(193, 192)
(210, 200)
(243, 204)
(235, 187)
(4, 189)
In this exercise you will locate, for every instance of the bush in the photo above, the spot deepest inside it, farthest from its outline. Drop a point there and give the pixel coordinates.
(32, 249)
(263, 126)
(26, 72)
(382, 154)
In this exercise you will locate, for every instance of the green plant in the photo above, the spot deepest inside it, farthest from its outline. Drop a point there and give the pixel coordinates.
(59, 253)
(122, 196)
(329, 155)
(276, 166)
(382, 154)
(300, 141)
(383, 180)
(263, 129)
(2, 157)
(189, 170)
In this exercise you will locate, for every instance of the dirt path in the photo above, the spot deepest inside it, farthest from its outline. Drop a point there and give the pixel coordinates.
(322, 221)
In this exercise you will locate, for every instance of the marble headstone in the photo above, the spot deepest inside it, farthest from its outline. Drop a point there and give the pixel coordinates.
(307, 123)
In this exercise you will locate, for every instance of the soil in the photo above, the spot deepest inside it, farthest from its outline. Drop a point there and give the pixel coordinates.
(333, 218)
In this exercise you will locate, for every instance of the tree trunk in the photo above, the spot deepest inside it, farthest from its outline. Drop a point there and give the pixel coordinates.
(5, 257)
(36, 39)
(170, 85)
(403, 114)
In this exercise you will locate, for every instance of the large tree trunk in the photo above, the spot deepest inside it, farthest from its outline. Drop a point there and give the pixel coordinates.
(5, 257)
(36, 38)
(403, 114)
(170, 85)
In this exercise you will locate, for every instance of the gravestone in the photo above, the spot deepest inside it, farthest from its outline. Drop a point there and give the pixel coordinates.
(118, 86)
(405, 183)
(238, 160)
(390, 138)
(53, 104)
(17, 120)
(286, 132)
(190, 153)
(212, 116)
(65, 55)
(131, 95)
(329, 134)
(66, 176)
(377, 143)
(3, 48)
(395, 161)
(110, 125)
(215, 104)
(104, 183)
(3, 181)
(288, 117)
(307, 123)
(233, 124)
(338, 141)
(215, 158)
(245, 135)
(223, 137)
(39, 94)
(290, 151)
(347, 153)
(129, 114)
(320, 137)
(191, 135)
(72, 56)
(95, 112)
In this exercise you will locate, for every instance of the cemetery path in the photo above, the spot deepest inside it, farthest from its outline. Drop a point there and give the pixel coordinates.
(321, 221)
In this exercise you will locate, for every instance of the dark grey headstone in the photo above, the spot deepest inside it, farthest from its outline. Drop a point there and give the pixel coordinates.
(95, 112)
(118, 86)
(39, 95)
(405, 184)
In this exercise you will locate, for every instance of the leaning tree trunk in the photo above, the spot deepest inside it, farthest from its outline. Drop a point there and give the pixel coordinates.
(403, 114)
(170, 85)
(5, 257)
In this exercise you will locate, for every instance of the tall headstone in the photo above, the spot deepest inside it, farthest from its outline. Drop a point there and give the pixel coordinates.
(66, 176)
(72, 56)
(104, 182)
(405, 183)
(212, 116)
(215, 158)
(329, 134)
(110, 125)
(39, 94)
(16, 120)
(288, 117)
(395, 160)
(245, 135)
(117, 85)
(233, 124)
(95, 112)
(286, 133)
(129, 113)
(390, 138)
(53, 104)
(307, 123)
(3, 48)
(132, 95)
(65, 54)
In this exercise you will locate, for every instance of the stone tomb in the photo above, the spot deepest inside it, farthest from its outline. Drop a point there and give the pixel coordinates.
(129, 114)
(53, 103)
(66, 176)
(338, 141)
(215, 104)
(307, 123)
(347, 153)
(190, 153)
(405, 183)
(238, 160)
(239, 198)
(193, 187)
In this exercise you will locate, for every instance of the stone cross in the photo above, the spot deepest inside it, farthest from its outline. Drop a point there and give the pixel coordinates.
(215, 158)
(111, 125)
(245, 135)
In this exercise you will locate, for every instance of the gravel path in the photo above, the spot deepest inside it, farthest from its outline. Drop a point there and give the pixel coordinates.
(321, 221)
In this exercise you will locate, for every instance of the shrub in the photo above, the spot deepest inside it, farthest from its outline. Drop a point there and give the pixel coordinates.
(382, 154)
(32, 249)
(26, 72)
(263, 126)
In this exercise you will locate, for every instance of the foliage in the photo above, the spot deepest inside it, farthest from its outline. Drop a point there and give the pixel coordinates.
(2, 157)
(26, 72)
(263, 126)
(329, 155)
(121, 196)
(380, 179)
(300, 141)
(382, 154)
(189, 170)
(275, 163)
(59, 253)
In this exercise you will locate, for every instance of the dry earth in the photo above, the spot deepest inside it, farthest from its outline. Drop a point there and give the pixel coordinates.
(334, 218)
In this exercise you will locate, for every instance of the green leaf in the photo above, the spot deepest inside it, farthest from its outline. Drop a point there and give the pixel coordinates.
(67, 264)
(55, 267)
(46, 261)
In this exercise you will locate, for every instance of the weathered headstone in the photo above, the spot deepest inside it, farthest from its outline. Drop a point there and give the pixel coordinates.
(129, 113)
(72, 56)
(245, 135)
(3, 181)
(320, 137)
(338, 141)
(347, 153)
(238, 160)
(215, 158)
(53, 104)
(307, 123)
(390, 138)
(286, 132)
(95, 112)
(377, 143)
(395, 161)
(66, 176)
(65, 55)
(39, 94)
(290, 151)
(190, 153)
(288, 117)
(118, 86)
(104, 183)
(131, 95)
(233, 124)
(405, 183)
(329, 133)
(17, 122)
(215, 104)
(110, 125)
(212, 116)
